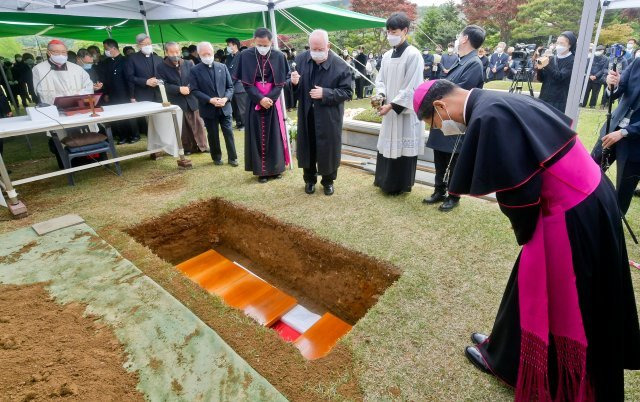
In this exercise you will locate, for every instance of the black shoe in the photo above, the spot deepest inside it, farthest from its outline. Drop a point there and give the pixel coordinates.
(310, 188)
(134, 139)
(218, 163)
(233, 163)
(475, 357)
(448, 204)
(187, 152)
(121, 141)
(328, 189)
(477, 338)
(435, 198)
(263, 179)
(277, 177)
(636, 192)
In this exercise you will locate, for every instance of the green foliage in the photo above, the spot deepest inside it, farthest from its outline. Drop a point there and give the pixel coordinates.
(441, 24)
(537, 19)
(369, 115)
(616, 33)
(9, 47)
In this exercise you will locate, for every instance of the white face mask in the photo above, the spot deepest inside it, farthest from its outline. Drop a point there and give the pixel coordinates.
(319, 56)
(560, 49)
(263, 50)
(147, 49)
(449, 50)
(394, 40)
(499, 50)
(599, 53)
(629, 46)
(229, 49)
(450, 127)
(107, 53)
(456, 45)
(59, 58)
(208, 60)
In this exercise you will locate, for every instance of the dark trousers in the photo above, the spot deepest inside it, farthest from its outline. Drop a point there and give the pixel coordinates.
(360, 84)
(239, 106)
(441, 160)
(593, 89)
(211, 124)
(310, 174)
(629, 178)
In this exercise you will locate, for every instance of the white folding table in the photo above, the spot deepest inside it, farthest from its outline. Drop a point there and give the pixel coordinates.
(161, 137)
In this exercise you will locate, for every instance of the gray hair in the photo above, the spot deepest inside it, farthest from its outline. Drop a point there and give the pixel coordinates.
(170, 44)
(141, 36)
(204, 44)
(320, 32)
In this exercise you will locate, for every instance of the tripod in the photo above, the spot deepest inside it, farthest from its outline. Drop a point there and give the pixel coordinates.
(521, 77)
(605, 163)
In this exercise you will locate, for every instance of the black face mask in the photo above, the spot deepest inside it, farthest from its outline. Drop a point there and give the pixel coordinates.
(174, 59)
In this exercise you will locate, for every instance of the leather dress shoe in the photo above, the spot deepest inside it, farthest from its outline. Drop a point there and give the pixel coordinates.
(435, 198)
(134, 139)
(477, 338)
(636, 192)
(263, 179)
(475, 357)
(309, 188)
(448, 204)
(121, 141)
(328, 189)
(218, 163)
(233, 163)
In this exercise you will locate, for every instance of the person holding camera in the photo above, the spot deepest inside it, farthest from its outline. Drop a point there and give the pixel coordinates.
(555, 72)
(624, 141)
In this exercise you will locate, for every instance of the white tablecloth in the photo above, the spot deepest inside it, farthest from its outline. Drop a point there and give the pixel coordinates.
(162, 134)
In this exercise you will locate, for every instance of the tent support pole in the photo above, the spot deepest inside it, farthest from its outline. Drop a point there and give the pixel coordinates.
(587, 21)
(9, 91)
(595, 44)
(274, 31)
(143, 12)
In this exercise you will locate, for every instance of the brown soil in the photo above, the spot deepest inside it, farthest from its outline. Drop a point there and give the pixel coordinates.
(319, 273)
(51, 351)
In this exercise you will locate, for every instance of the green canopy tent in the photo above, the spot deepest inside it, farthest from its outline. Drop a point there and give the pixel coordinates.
(212, 29)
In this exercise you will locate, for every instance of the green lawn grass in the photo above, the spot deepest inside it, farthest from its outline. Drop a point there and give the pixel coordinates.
(410, 345)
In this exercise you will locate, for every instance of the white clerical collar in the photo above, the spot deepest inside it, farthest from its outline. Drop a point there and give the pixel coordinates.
(464, 109)
(563, 56)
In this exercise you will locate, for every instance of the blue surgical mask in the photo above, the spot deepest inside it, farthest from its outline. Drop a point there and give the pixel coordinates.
(87, 66)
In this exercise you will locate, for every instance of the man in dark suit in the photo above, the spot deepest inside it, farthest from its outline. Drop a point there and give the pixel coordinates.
(361, 66)
(175, 73)
(428, 63)
(596, 77)
(141, 72)
(115, 90)
(468, 73)
(239, 102)
(624, 141)
(497, 62)
(211, 83)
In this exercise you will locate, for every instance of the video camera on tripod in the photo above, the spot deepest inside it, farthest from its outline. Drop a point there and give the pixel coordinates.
(522, 67)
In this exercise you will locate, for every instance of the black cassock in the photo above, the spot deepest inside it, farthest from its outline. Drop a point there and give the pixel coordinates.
(526, 152)
(555, 78)
(265, 150)
(322, 142)
(116, 90)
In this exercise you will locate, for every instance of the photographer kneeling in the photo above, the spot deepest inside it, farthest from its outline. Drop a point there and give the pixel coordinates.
(555, 72)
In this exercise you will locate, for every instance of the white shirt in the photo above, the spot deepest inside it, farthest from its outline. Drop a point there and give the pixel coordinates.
(50, 84)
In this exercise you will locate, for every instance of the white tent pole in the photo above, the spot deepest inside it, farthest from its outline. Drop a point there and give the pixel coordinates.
(143, 12)
(603, 9)
(264, 20)
(587, 21)
(274, 31)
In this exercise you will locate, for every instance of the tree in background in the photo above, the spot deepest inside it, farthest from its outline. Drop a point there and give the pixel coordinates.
(492, 13)
(9, 47)
(441, 24)
(616, 33)
(375, 40)
(537, 19)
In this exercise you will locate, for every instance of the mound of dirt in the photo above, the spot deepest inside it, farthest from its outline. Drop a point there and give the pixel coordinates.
(52, 351)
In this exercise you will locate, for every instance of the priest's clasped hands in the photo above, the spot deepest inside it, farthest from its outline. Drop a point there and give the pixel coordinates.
(315, 93)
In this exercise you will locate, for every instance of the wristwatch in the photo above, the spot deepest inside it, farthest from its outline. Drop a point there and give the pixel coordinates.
(624, 132)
